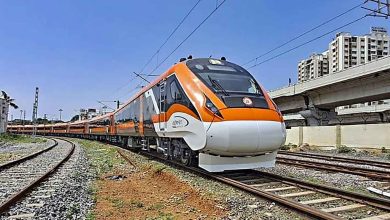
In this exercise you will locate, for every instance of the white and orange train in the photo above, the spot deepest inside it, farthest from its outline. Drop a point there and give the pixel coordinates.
(205, 111)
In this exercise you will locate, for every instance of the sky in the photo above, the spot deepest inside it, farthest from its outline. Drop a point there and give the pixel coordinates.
(81, 52)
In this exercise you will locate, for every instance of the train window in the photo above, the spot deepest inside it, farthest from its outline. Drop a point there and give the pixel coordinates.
(136, 110)
(226, 78)
(175, 92)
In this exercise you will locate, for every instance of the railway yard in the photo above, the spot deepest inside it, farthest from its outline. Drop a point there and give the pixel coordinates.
(244, 110)
(57, 178)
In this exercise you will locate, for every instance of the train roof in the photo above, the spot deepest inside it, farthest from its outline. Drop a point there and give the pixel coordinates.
(150, 85)
(171, 70)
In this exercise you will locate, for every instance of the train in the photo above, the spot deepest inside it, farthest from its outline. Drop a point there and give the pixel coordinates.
(203, 112)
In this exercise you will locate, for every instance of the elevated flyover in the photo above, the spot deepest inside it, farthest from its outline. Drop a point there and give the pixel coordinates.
(316, 99)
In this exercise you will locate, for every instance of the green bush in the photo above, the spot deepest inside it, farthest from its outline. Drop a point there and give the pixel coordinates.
(13, 138)
(285, 147)
(344, 149)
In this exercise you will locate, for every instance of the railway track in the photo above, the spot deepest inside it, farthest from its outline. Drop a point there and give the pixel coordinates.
(20, 176)
(337, 158)
(383, 173)
(314, 200)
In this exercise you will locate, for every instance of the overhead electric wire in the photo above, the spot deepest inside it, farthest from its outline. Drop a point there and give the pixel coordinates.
(169, 37)
(161, 46)
(181, 43)
(307, 42)
(139, 85)
(304, 33)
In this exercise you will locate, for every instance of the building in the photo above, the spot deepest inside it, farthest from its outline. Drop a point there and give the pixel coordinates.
(89, 113)
(346, 51)
(4, 106)
(315, 66)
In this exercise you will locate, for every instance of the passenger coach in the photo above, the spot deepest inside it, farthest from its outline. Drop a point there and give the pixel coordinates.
(205, 112)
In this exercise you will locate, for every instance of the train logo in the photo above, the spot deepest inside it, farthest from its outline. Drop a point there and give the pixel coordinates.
(179, 122)
(247, 101)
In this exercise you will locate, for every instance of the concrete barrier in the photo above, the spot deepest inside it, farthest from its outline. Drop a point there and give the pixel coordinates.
(359, 136)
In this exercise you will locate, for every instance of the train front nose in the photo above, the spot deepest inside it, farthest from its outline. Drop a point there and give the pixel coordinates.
(240, 138)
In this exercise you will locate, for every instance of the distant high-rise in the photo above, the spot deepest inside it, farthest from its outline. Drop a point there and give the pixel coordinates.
(315, 66)
(346, 51)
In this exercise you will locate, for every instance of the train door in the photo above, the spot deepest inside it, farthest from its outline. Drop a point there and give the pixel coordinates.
(162, 122)
(141, 116)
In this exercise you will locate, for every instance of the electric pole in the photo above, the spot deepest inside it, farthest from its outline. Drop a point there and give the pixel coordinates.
(21, 113)
(60, 113)
(35, 112)
(382, 8)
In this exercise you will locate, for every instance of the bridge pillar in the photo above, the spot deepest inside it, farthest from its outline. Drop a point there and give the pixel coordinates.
(317, 117)
(385, 116)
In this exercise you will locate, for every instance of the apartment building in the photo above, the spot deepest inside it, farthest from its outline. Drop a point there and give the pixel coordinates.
(315, 66)
(346, 51)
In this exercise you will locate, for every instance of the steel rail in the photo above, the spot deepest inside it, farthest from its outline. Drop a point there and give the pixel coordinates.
(28, 157)
(370, 173)
(337, 158)
(17, 196)
(305, 209)
(357, 197)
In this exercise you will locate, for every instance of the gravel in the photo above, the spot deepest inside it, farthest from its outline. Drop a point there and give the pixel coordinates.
(374, 154)
(342, 180)
(8, 147)
(66, 194)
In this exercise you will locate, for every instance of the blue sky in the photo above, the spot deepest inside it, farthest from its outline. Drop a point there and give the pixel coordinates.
(78, 52)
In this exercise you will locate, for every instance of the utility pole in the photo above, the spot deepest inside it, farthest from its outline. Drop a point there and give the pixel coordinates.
(60, 113)
(21, 113)
(382, 8)
(35, 112)
(24, 117)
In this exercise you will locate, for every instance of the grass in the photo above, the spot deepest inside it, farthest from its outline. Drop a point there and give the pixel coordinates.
(313, 180)
(73, 210)
(158, 169)
(90, 216)
(137, 204)
(103, 157)
(118, 203)
(157, 206)
(344, 149)
(17, 139)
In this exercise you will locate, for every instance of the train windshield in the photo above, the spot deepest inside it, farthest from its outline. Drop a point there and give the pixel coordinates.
(227, 78)
(230, 83)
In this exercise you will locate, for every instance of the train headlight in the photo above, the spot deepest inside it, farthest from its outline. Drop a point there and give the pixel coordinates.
(212, 107)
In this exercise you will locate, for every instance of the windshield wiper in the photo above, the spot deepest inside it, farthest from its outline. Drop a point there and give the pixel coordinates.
(216, 84)
(255, 85)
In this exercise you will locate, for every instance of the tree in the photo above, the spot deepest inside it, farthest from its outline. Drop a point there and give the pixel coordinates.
(75, 118)
(9, 100)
